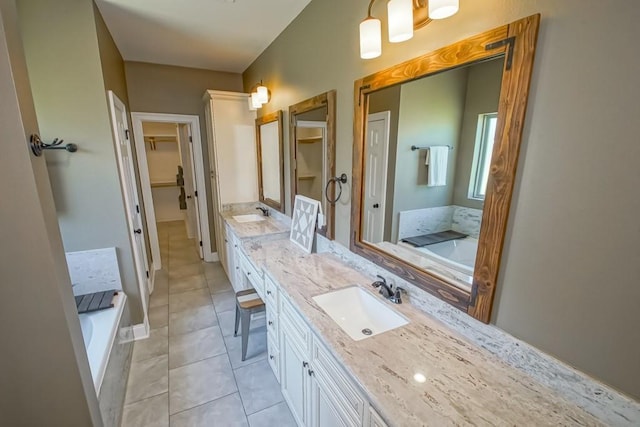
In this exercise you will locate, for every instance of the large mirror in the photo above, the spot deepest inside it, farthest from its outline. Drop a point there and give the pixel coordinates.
(435, 155)
(312, 136)
(269, 146)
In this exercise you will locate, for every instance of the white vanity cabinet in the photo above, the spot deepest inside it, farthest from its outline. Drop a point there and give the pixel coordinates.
(233, 159)
(229, 258)
(317, 390)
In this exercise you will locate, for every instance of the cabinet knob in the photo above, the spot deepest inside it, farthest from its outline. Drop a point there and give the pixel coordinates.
(310, 372)
(270, 322)
(248, 273)
(271, 356)
(268, 292)
(305, 364)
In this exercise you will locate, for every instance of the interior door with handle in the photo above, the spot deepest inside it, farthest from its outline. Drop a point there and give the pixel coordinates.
(376, 153)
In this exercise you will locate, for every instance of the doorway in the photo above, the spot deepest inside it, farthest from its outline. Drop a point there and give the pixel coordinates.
(171, 168)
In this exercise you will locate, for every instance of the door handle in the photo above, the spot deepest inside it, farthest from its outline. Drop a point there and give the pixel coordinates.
(376, 205)
(188, 197)
(137, 231)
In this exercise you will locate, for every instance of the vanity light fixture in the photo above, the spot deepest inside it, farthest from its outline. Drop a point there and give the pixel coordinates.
(260, 95)
(404, 17)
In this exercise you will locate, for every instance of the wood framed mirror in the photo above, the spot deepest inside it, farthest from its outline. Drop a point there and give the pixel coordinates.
(270, 151)
(436, 144)
(312, 143)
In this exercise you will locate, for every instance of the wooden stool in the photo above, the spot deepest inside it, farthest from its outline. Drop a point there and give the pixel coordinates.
(247, 303)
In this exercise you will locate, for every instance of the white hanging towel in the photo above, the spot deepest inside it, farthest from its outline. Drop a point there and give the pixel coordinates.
(437, 160)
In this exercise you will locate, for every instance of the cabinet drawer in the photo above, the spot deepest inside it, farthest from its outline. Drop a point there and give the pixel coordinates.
(271, 291)
(272, 323)
(295, 324)
(273, 356)
(342, 389)
(251, 274)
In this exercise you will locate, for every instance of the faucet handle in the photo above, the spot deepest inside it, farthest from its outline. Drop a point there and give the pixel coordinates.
(396, 298)
(380, 282)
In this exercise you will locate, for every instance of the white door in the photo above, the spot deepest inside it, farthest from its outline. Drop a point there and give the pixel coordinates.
(376, 152)
(130, 193)
(293, 378)
(190, 185)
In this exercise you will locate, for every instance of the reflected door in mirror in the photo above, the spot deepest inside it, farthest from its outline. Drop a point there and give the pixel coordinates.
(376, 154)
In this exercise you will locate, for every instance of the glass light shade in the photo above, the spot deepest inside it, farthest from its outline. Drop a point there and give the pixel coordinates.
(441, 9)
(263, 94)
(400, 14)
(255, 102)
(370, 38)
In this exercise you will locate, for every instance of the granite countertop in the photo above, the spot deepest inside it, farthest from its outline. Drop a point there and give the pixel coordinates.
(465, 384)
(253, 229)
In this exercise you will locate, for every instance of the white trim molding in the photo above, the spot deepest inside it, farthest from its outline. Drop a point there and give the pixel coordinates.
(198, 168)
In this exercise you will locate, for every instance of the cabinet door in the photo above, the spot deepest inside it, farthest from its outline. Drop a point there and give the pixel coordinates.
(323, 412)
(293, 375)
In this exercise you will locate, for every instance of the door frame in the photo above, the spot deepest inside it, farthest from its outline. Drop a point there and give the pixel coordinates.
(198, 168)
(385, 116)
(141, 260)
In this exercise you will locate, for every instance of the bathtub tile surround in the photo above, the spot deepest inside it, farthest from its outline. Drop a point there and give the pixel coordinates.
(609, 406)
(114, 384)
(417, 222)
(94, 271)
(194, 374)
(467, 221)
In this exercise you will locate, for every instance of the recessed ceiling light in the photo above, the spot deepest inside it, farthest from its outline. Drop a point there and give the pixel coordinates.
(419, 378)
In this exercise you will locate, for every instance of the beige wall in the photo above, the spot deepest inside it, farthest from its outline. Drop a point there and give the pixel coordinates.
(483, 94)
(569, 277)
(168, 89)
(65, 69)
(43, 364)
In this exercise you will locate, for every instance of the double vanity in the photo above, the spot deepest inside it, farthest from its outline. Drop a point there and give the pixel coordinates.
(408, 369)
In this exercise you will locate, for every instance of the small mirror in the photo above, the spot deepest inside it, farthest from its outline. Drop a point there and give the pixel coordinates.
(269, 145)
(312, 142)
(436, 144)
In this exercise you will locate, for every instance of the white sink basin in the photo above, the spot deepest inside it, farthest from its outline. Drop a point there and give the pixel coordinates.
(249, 218)
(359, 313)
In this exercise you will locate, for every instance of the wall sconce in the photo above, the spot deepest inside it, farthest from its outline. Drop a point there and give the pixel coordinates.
(260, 95)
(404, 17)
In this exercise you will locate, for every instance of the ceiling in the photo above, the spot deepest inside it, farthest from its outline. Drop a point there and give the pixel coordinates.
(223, 35)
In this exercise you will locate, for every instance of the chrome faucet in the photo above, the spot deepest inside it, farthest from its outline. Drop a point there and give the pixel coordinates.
(265, 211)
(387, 291)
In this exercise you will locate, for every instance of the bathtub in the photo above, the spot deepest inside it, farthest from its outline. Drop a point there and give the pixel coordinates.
(99, 330)
(459, 254)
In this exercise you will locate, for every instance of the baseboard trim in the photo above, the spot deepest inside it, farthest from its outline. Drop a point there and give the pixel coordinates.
(140, 331)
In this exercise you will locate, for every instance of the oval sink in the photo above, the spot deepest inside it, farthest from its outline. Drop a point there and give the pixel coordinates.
(249, 218)
(359, 313)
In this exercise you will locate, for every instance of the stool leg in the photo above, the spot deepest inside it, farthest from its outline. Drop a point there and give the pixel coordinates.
(246, 320)
(235, 331)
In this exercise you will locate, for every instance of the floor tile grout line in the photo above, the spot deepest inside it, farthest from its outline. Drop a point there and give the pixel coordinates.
(206, 403)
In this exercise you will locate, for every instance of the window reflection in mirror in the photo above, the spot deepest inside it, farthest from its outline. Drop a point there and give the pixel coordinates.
(424, 205)
(270, 160)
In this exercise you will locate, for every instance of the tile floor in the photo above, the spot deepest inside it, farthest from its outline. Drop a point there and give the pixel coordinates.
(189, 372)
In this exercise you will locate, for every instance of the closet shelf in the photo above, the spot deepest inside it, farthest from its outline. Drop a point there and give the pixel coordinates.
(309, 139)
(306, 177)
(163, 184)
